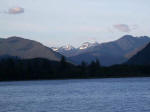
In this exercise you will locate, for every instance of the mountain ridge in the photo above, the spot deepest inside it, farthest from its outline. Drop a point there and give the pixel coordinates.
(114, 51)
(141, 58)
(108, 53)
(26, 48)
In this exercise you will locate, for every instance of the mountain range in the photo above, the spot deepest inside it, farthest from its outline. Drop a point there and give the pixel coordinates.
(26, 49)
(109, 53)
(24, 59)
(70, 51)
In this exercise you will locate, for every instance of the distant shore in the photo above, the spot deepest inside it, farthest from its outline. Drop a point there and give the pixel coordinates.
(146, 76)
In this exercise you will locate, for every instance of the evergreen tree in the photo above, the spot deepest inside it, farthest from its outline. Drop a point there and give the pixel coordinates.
(63, 64)
(83, 67)
(97, 63)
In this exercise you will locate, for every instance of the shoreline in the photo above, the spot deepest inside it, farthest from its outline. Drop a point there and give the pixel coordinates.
(73, 78)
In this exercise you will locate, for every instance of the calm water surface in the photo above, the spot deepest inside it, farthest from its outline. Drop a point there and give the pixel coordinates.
(90, 95)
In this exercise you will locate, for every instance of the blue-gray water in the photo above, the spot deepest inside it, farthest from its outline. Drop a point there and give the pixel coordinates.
(90, 95)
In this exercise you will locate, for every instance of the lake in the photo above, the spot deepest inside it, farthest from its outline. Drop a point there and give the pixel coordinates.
(89, 95)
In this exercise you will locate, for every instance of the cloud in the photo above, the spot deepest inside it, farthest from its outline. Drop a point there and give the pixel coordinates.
(122, 27)
(15, 10)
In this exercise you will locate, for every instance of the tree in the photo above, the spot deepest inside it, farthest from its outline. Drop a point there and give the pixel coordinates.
(63, 63)
(94, 67)
(98, 65)
(83, 67)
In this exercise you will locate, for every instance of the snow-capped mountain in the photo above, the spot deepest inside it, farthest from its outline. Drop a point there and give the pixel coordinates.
(87, 45)
(63, 48)
(54, 48)
(67, 48)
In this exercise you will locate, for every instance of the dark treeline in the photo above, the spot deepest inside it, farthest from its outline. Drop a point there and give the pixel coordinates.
(29, 69)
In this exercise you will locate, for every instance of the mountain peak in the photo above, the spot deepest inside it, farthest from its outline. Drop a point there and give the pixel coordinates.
(126, 37)
(27, 49)
(67, 47)
(128, 42)
(86, 45)
(54, 48)
(14, 37)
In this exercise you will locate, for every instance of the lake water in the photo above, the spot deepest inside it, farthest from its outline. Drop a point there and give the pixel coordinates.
(89, 95)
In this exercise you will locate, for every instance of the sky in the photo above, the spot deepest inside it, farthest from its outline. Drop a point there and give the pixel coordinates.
(61, 22)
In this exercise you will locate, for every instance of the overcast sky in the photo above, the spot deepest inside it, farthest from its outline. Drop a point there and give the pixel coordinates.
(60, 22)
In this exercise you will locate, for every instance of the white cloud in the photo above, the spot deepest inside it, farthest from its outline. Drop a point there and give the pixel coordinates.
(122, 27)
(15, 10)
